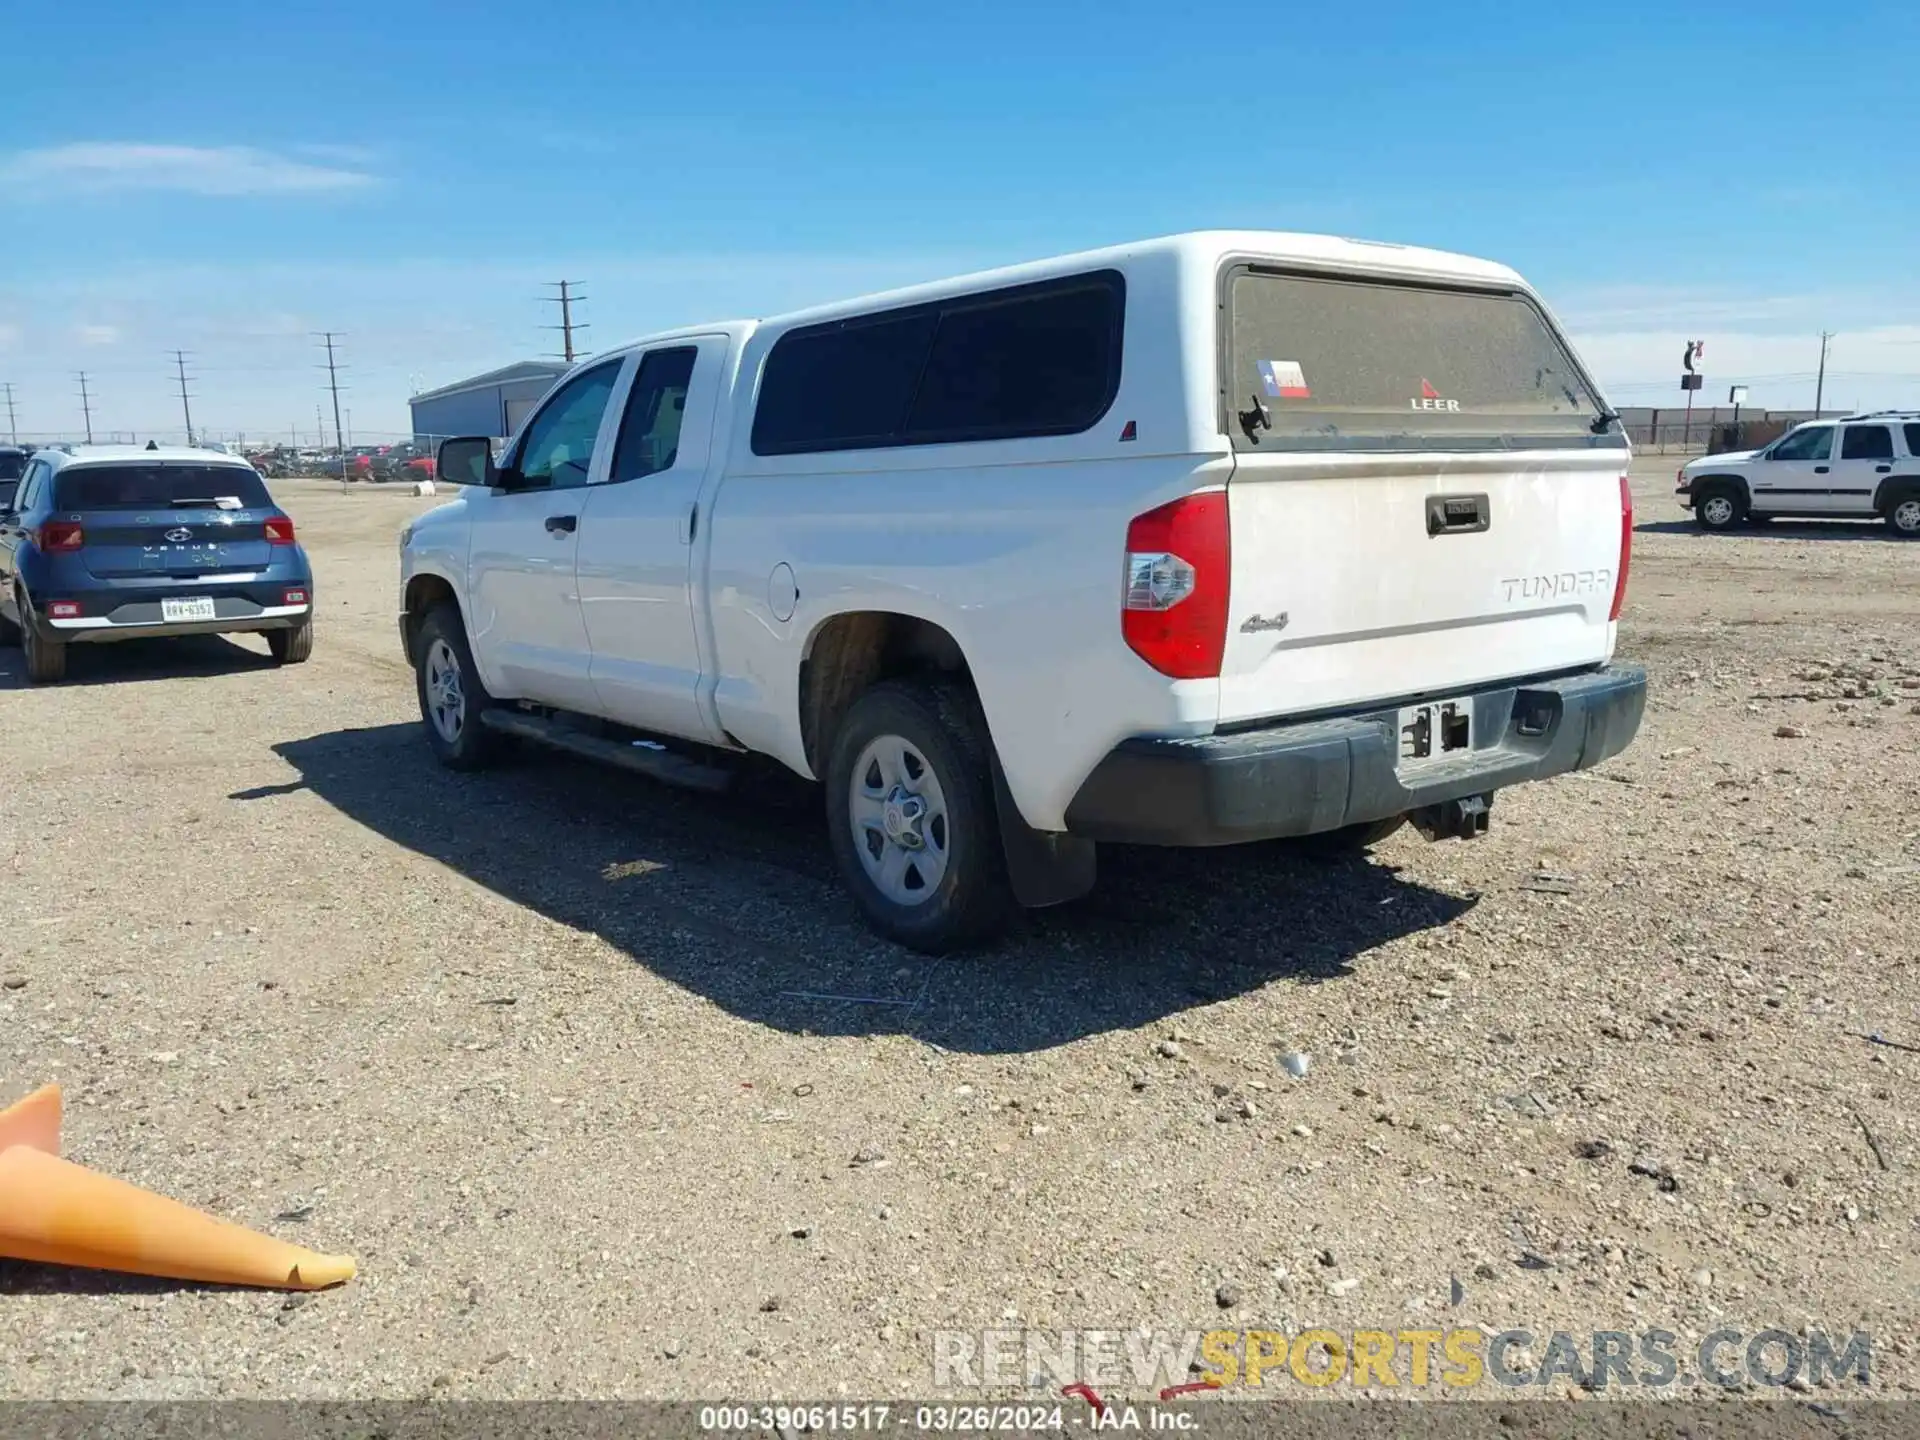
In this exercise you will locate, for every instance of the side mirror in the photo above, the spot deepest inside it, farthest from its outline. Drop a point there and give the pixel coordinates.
(468, 461)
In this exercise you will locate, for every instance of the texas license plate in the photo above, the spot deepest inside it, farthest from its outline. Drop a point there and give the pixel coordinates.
(190, 607)
(1435, 732)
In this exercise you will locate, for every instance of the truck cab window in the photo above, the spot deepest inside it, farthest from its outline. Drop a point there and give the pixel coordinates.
(650, 430)
(558, 450)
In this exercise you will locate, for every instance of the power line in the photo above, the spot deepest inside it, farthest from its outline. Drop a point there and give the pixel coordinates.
(333, 384)
(86, 404)
(565, 300)
(180, 372)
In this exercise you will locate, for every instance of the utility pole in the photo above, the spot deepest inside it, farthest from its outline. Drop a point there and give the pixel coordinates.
(86, 404)
(180, 373)
(566, 327)
(347, 439)
(13, 429)
(319, 429)
(1820, 385)
(333, 384)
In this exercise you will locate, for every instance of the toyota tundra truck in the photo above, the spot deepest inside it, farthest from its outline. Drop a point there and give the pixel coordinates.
(1206, 540)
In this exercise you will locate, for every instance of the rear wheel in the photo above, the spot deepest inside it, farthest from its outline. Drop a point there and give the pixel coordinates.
(1718, 510)
(1903, 517)
(911, 817)
(46, 659)
(292, 647)
(451, 695)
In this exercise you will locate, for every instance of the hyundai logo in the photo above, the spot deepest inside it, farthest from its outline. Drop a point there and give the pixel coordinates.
(178, 533)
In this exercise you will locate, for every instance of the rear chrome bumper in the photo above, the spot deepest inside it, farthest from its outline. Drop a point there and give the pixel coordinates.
(91, 629)
(1310, 776)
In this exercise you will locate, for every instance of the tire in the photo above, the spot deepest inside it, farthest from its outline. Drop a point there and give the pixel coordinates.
(46, 659)
(452, 716)
(896, 738)
(1348, 840)
(1903, 516)
(9, 632)
(292, 647)
(1719, 509)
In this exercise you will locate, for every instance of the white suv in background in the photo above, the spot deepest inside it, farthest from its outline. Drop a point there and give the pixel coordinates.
(1855, 469)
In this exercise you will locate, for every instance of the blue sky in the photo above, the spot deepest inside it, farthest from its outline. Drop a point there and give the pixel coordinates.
(227, 179)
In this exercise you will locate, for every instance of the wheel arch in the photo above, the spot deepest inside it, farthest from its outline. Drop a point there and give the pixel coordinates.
(1892, 490)
(424, 590)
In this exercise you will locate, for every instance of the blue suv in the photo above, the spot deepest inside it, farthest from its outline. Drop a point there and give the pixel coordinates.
(115, 543)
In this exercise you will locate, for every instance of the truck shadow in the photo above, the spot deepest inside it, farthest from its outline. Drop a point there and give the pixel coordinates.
(736, 899)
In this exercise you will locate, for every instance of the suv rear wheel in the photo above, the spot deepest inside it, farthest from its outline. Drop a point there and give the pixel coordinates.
(46, 659)
(1903, 516)
(291, 647)
(451, 695)
(910, 815)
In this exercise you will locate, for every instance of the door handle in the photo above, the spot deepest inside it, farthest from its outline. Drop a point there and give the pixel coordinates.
(1883, 469)
(1820, 469)
(561, 524)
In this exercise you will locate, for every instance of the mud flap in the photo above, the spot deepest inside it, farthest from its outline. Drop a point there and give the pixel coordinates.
(1043, 867)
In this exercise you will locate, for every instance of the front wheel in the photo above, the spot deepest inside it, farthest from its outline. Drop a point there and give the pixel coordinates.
(1903, 517)
(451, 695)
(1718, 510)
(911, 817)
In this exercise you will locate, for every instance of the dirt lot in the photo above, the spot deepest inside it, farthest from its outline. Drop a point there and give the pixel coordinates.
(527, 1044)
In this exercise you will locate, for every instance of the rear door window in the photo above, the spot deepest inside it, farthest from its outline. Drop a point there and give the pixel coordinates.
(159, 487)
(1866, 442)
(1319, 362)
(650, 430)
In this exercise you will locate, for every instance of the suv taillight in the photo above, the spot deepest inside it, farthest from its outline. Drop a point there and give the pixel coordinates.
(56, 536)
(1626, 548)
(279, 530)
(1174, 610)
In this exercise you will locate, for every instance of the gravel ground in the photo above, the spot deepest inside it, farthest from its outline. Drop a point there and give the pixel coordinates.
(527, 1044)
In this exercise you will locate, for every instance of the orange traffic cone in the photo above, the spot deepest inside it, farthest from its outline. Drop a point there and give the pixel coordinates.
(54, 1211)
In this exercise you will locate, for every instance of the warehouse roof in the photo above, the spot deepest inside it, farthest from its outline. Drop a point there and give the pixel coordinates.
(519, 370)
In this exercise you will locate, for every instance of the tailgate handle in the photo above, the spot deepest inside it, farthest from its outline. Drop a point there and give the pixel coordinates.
(1458, 514)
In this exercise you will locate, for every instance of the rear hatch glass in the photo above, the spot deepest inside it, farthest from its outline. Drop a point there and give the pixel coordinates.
(168, 521)
(1339, 362)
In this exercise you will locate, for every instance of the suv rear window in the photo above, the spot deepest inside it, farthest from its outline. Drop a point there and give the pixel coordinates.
(13, 464)
(1030, 360)
(158, 487)
(1335, 361)
(1913, 439)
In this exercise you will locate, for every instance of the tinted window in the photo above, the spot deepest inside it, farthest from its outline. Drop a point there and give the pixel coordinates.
(1815, 443)
(13, 464)
(1866, 442)
(8, 488)
(650, 430)
(158, 487)
(1335, 360)
(1031, 360)
(1913, 440)
(558, 450)
(845, 386)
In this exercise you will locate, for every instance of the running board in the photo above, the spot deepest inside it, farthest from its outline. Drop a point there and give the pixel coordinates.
(665, 765)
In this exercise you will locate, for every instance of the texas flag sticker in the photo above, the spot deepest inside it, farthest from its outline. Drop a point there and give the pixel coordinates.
(1285, 378)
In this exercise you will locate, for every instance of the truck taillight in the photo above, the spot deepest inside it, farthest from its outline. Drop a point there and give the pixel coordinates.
(1174, 610)
(56, 536)
(1626, 549)
(279, 530)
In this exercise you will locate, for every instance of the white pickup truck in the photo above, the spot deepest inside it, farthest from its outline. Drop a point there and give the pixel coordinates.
(1217, 538)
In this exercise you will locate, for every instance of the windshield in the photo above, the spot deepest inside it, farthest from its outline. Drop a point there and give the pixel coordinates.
(1335, 360)
(161, 487)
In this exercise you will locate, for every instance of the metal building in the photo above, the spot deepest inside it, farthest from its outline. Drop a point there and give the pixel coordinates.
(492, 404)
